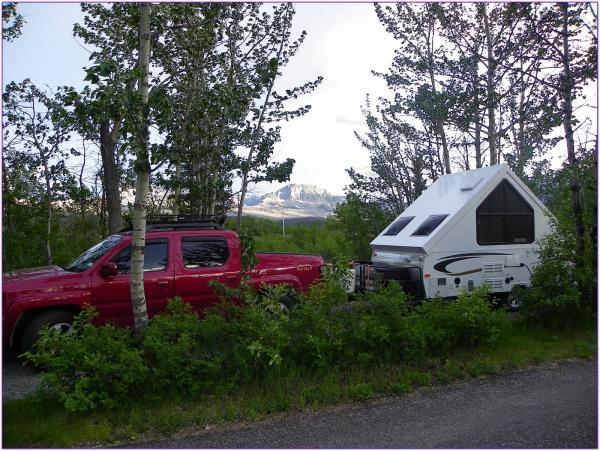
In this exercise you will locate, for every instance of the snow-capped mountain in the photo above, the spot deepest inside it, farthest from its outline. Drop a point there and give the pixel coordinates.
(293, 200)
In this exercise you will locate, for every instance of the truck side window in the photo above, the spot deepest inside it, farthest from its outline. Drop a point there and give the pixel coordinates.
(155, 257)
(504, 217)
(200, 252)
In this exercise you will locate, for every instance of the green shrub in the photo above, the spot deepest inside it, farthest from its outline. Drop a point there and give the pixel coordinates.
(194, 356)
(371, 325)
(315, 340)
(564, 282)
(94, 367)
(467, 321)
(182, 351)
(238, 343)
(260, 338)
(557, 295)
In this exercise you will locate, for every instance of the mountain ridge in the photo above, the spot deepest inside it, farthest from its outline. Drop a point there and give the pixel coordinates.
(293, 200)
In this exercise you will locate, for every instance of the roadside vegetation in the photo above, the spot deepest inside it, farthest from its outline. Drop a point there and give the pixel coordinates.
(249, 359)
(184, 394)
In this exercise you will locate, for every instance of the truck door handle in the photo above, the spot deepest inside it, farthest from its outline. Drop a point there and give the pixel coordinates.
(230, 277)
(162, 283)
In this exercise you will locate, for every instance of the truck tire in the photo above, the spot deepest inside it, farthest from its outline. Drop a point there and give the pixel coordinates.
(59, 320)
(286, 303)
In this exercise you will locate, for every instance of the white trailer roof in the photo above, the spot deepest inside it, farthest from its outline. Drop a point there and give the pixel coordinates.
(452, 195)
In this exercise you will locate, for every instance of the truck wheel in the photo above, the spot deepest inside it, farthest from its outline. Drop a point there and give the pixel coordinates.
(286, 303)
(58, 320)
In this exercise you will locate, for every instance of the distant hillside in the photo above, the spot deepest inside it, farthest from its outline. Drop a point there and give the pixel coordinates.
(293, 201)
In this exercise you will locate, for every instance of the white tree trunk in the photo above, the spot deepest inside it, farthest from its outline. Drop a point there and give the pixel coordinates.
(142, 168)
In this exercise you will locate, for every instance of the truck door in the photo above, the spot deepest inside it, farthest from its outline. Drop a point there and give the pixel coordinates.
(201, 259)
(111, 295)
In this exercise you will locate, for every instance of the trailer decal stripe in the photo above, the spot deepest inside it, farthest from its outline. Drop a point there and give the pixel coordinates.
(441, 265)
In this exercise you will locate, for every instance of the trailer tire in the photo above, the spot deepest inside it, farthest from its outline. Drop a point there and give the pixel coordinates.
(59, 320)
(514, 298)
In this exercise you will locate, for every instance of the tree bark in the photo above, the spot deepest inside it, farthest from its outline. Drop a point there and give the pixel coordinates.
(103, 204)
(439, 124)
(490, 102)
(48, 212)
(567, 94)
(81, 185)
(142, 168)
(177, 195)
(111, 176)
(478, 162)
(213, 186)
(523, 154)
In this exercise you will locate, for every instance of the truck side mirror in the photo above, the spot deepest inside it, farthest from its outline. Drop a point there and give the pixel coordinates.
(109, 269)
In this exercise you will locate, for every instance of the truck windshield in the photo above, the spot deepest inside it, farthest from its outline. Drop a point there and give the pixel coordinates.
(87, 259)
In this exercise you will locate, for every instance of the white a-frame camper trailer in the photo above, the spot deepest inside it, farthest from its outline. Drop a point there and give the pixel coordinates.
(467, 229)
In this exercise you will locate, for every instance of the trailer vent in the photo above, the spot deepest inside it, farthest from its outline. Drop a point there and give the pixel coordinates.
(491, 268)
(494, 284)
(470, 184)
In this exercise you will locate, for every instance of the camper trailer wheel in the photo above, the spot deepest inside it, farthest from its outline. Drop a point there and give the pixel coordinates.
(515, 298)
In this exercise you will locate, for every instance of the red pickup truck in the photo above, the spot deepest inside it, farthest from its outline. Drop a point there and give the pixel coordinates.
(178, 261)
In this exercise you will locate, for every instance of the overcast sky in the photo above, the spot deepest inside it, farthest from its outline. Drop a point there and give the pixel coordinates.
(344, 43)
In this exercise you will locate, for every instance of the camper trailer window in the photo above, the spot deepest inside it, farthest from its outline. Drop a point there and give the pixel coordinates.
(429, 225)
(398, 225)
(504, 217)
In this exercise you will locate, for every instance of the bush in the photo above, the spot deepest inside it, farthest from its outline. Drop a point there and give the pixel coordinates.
(180, 353)
(193, 356)
(93, 367)
(564, 282)
(315, 339)
(466, 322)
(252, 338)
(557, 295)
(371, 326)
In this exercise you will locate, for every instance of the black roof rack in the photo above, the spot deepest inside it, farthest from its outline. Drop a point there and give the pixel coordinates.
(171, 222)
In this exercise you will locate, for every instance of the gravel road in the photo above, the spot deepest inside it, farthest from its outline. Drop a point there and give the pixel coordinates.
(552, 406)
(17, 380)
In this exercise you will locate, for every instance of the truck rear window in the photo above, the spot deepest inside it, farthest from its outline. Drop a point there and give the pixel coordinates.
(201, 252)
